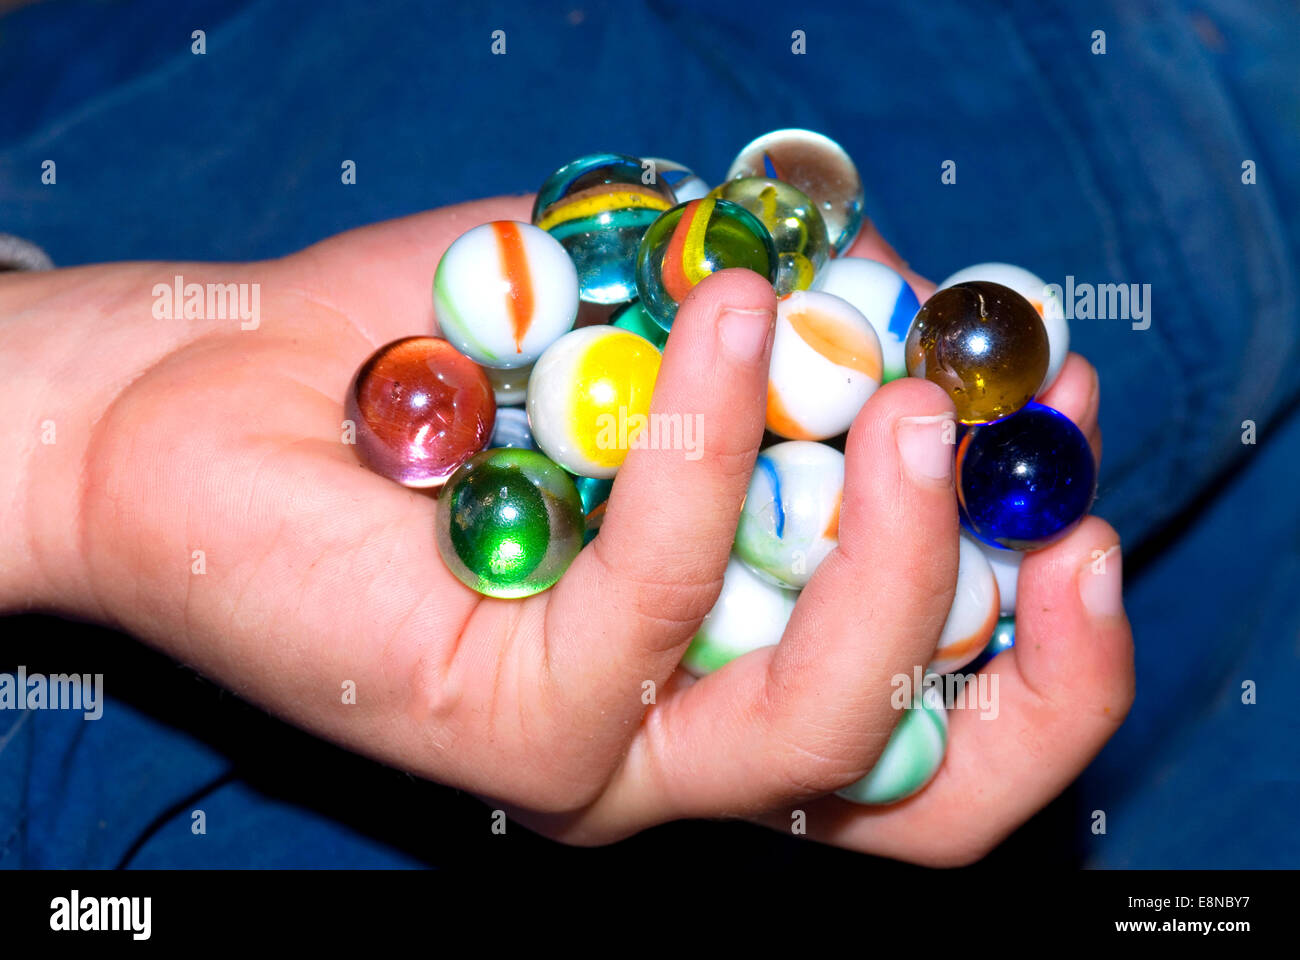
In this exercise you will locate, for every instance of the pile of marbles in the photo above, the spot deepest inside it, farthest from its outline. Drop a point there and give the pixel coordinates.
(520, 422)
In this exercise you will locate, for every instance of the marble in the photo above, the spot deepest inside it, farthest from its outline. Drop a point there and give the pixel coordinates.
(882, 296)
(508, 523)
(1026, 481)
(826, 363)
(750, 613)
(692, 241)
(635, 318)
(816, 165)
(911, 758)
(589, 399)
(973, 613)
(984, 344)
(421, 408)
(504, 292)
(790, 520)
(509, 386)
(598, 207)
(511, 430)
(797, 228)
(686, 184)
(1040, 296)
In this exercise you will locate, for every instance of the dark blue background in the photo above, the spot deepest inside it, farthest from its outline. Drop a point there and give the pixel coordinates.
(1118, 168)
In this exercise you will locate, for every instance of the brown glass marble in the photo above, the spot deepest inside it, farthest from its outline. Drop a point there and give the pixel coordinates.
(984, 344)
(421, 409)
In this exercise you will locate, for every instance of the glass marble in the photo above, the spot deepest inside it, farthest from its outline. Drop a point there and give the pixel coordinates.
(634, 317)
(692, 241)
(1006, 570)
(509, 386)
(911, 758)
(882, 296)
(594, 492)
(686, 183)
(1004, 638)
(796, 226)
(973, 613)
(984, 344)
(598, 207)
(790, 519)
(1024, 481)
(750, 613)
(421, 408)
(816, 165)
(589, 398)
(511, 430)
(1041, 297)
(826, 362)
(503, 292)
(509, 523)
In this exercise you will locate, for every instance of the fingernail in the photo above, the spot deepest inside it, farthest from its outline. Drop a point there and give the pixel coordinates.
(923, 443)
(744, 332)
(1101, 584)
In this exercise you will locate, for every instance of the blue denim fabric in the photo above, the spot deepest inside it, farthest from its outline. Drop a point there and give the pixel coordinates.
(1118, 168)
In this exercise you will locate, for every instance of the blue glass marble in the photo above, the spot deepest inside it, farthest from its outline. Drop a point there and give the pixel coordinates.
(1026, 480)
(1004, 638)
(511, 430)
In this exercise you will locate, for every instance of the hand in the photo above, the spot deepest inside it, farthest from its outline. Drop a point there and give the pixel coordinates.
(177, 436)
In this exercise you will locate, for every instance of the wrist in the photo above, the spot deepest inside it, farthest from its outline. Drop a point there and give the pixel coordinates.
(71, 341)
(40, 409)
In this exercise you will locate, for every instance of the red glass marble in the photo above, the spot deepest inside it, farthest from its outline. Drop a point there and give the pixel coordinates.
(421, 409)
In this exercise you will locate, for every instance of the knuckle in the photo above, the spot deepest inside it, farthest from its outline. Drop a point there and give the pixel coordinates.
(673, 592)
(818, 763)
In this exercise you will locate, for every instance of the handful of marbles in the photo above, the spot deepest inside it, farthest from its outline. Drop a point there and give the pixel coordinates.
(509, 415)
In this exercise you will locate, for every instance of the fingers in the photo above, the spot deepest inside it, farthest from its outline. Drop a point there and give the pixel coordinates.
(1060, 693)
(638, 593)
(810, 715)
(875, 607)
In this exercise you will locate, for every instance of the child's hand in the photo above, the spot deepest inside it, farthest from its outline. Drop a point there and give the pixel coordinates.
(198, 495)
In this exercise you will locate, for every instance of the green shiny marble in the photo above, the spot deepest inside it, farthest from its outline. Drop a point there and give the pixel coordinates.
(509, 522)
(803, 244)
(634, 318)
(692, 241)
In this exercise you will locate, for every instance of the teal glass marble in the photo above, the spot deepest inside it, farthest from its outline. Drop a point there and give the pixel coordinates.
(635, 318)
(598, 207)
(594, 492)
(509, 522)
(803, 244)
(692, 241)
(1004, 638)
